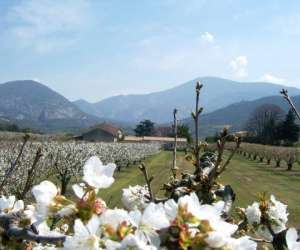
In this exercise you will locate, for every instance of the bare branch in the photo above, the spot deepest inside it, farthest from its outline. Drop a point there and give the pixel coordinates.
(196, 120)
(174, 167)
(223, 168)
(148, 180)
(11, 169)
(31, 174)
(285, 95)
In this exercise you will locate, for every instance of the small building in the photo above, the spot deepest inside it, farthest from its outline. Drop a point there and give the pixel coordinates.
(101, 133)
(132, 138)
(159, 139)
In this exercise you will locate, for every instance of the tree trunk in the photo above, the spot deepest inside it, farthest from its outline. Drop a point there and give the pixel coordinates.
(64, 184)
(290, 166)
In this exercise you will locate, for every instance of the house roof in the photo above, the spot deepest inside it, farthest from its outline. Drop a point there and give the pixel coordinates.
(108, 128)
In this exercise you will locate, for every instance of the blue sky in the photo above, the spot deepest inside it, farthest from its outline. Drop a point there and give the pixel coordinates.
(98, 48)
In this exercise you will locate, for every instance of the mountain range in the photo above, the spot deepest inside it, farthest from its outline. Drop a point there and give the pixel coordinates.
(31, 104)
(158, 107)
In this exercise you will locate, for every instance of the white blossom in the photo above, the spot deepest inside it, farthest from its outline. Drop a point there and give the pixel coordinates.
(114, 217)
(278, 212)
(150, 221)
(67, 210)
(138, 241)
(9, 204)
(292, 239)
(86, 237)
(98, 175)
(253, 213)
(79, 190)
(135, 197)
(243, 243)
(44, 194)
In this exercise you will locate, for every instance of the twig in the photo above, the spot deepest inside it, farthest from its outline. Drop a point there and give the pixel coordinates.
(223, 168)
(260, 240)
(148, 180)
(14, 164)
(31, 174)
(174, 167)
(221, 146)
(196, 120)
(285, 95)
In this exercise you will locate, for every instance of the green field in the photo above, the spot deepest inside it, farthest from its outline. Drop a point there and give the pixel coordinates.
(248, 179)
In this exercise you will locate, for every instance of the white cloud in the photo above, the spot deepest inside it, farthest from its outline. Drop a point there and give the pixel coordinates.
(271, 78)
(239, 65)
(208, 37)
(46, 25)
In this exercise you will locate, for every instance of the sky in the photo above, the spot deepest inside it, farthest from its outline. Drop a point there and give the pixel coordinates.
(93, 49)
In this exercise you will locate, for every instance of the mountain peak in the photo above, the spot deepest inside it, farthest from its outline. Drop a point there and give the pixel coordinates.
(30, 103)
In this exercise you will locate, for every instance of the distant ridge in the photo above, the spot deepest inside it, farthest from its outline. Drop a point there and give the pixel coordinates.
(216, 93)
(236, 115)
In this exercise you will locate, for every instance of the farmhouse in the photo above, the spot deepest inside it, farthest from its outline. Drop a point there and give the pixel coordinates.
(101, 133)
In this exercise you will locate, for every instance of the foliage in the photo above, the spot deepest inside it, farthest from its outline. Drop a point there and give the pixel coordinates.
(183, 131)
(12, 127)
(268, 127)
(212, 139)
(263, 123)
(144, 128)
(9, 127)
(288, 130)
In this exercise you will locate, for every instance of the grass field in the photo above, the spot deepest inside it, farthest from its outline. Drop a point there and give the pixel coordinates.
(248, 179)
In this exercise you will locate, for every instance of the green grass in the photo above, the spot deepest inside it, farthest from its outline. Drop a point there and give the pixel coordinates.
(248, 179)
(158, 166)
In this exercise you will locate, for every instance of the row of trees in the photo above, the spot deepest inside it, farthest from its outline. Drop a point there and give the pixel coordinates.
(11, 127)
(269, 125)
(272, 155)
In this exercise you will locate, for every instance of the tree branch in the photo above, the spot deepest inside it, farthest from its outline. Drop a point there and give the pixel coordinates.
(10, 224)
(285, 95)
(174, 167)
(148, 180)
(13, 165)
